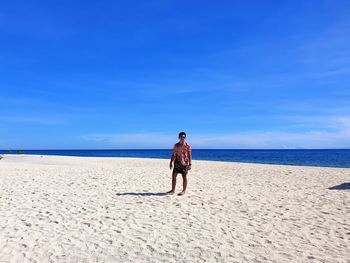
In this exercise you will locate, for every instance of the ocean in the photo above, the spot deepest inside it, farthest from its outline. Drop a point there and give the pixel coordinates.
(325, 158)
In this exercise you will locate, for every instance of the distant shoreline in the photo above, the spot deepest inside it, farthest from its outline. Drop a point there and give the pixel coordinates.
(310, 158)
(197, 149)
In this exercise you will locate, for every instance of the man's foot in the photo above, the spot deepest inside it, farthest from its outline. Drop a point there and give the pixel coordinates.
(182, 193)
(171, 192)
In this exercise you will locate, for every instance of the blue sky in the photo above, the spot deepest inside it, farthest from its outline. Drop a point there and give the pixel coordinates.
(132, 74)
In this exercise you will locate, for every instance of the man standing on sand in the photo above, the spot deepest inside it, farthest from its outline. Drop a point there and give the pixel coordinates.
(182, 158)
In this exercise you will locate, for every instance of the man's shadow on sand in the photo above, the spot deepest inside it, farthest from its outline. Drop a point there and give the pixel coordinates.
(142, 194)
(344, 186)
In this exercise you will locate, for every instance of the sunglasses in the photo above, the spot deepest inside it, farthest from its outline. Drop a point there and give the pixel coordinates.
(182, 137)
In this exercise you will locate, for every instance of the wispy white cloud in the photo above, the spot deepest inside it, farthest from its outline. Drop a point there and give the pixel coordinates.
(33, 103)
(33, 120)
(131, 140)
(21, 110)
(317, 138)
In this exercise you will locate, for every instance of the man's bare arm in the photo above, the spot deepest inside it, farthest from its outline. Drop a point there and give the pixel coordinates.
(173, 157)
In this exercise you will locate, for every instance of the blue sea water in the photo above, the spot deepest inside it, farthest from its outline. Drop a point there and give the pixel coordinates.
(325, 158)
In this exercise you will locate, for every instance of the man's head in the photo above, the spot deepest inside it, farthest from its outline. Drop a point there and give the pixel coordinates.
(182, 137)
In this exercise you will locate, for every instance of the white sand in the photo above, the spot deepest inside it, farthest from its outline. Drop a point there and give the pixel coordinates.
(67, 209)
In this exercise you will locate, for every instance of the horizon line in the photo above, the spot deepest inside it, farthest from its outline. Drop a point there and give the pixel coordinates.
(160, 149)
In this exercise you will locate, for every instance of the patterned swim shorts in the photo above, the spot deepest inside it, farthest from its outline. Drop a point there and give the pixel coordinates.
(180, 168)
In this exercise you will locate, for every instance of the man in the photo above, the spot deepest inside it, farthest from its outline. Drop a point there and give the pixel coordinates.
(182, 158)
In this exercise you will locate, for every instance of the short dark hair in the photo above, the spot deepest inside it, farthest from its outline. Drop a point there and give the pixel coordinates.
(182, 133)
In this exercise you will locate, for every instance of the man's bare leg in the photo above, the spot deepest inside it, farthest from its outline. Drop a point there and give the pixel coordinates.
(173, 184)
(184, 184)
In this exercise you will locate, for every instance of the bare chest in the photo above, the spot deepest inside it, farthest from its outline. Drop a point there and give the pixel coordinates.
(179, 150)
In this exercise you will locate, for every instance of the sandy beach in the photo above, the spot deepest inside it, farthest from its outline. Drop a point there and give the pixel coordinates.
(84, 209)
